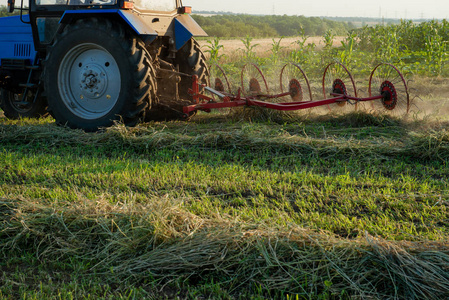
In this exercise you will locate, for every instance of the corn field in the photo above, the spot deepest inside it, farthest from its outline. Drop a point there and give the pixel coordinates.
(417, 49)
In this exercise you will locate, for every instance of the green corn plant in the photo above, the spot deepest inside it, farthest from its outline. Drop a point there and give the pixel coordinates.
(328, 39)
(275, 50)
(387, 44)
(327, 53)
(301, 52)
(301, 42)
(435, 53)
(249, 53)
(348, 49)
(213, 49)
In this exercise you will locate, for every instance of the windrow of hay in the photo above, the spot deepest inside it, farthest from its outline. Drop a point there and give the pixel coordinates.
(435, 145)
(301, 140)
(162, 241)
(261, 114)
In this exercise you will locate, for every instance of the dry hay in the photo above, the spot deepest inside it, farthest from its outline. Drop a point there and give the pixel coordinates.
(162, 240)
(420, 139)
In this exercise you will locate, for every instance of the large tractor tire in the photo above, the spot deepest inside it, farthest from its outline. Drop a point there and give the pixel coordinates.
(96, 73)
(14, 107)
(191, 61)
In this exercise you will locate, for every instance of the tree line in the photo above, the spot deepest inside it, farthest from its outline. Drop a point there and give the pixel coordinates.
(242, 25)
(232, 25)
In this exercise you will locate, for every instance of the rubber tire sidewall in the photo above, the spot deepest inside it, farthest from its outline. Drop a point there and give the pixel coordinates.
(82, 35)
(191, 60)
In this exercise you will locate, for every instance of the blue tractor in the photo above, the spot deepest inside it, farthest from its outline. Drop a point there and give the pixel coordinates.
(90, 63)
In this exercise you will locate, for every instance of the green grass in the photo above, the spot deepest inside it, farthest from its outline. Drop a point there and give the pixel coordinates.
(329, 206)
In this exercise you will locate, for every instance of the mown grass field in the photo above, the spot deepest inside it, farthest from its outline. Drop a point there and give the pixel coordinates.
(292, 207)
(246, 205)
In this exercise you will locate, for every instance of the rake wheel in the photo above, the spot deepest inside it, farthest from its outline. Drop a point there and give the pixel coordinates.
(294, 80)
(338, 80)
(253, 82)
(220, 80)
(387, 80)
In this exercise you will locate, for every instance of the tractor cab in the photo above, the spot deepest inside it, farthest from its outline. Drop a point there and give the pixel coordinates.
(149, 19)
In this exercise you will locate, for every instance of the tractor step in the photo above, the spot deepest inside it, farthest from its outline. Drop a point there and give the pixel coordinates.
(34, 68)
(22, 103)
(28, 85)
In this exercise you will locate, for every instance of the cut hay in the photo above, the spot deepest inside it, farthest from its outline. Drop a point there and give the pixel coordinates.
(412, 141)
(162, 241)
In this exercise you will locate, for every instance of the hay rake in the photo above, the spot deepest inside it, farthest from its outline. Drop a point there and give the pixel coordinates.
(387, 90)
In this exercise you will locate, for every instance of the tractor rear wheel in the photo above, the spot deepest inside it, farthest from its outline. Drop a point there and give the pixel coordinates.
(191, 60)
(97, 73)
(14, 106)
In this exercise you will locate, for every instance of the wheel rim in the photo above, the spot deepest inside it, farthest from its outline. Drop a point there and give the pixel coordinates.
(89, 81)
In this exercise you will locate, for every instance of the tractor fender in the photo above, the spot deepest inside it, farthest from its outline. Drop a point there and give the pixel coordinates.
(134, 22)
(185, 29)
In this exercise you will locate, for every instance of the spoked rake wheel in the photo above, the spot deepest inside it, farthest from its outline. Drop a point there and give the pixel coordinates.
(294, 80)
(219, 79)
(220, 82)
(253, 82)
(387, 80)
(338, 80)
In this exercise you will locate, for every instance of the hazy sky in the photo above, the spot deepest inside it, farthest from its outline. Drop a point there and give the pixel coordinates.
(347, 8)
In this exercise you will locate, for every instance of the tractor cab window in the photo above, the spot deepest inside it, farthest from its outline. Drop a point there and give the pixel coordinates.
(75, 2)
(161, 5)
(46, 28)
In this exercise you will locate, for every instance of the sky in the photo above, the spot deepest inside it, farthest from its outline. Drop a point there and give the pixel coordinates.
(405, 9)
(401, 9)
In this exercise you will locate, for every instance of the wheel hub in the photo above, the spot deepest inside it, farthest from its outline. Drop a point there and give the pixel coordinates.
(254, 87)
(390, 97)
(219, 86)
(295, 90)
(339, 87)
(93, 81)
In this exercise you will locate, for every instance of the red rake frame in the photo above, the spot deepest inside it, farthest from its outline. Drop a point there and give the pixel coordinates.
(387, 93)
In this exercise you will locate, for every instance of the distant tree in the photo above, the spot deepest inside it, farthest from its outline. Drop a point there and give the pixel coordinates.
(4, 12)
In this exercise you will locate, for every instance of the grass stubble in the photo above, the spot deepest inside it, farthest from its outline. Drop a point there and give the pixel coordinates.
(287, 206)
